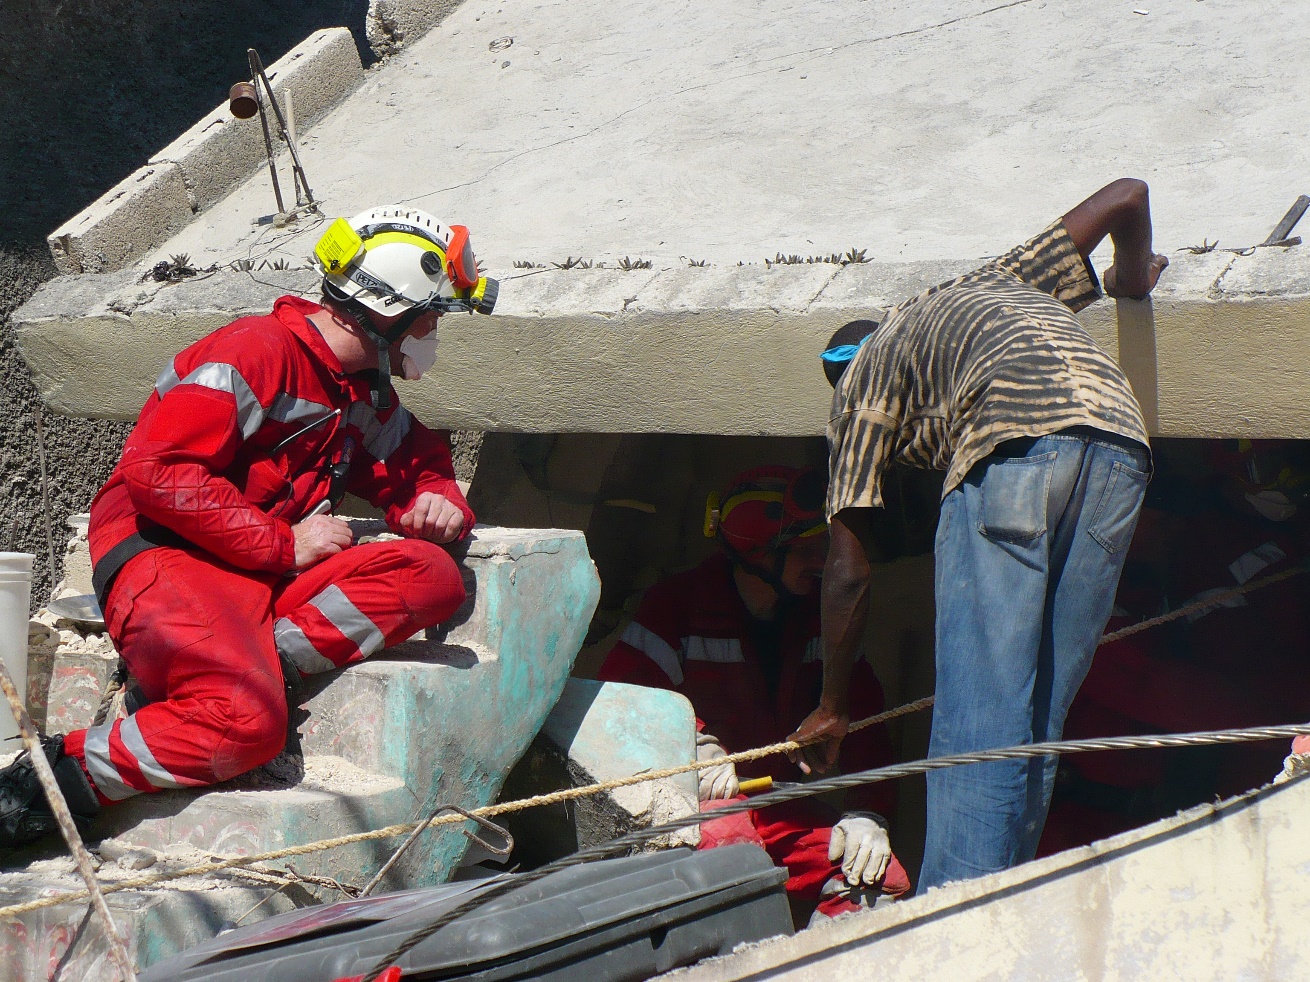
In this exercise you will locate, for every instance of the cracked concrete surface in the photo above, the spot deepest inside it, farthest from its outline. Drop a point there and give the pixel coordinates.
(723, 131)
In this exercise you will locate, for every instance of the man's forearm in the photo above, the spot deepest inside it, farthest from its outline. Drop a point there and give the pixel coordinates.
(1121, 210)
(845, 610)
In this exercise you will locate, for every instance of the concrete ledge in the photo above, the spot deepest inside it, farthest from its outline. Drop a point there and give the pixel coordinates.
(130, 219)
(202, 165)
(221, 150)
(729, 350)
(391, 24)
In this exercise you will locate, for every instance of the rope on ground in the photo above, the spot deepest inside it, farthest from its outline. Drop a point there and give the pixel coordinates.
(393, 831)
(567, 794)
(841, 782)
(64, 818)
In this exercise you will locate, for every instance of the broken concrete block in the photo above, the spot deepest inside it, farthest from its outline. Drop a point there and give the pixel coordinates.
(79, 675)
(129, 220)
(154, 924)
(600, 731)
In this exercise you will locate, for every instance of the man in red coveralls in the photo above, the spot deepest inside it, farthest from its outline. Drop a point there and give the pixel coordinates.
(739, 637)
(217, 567)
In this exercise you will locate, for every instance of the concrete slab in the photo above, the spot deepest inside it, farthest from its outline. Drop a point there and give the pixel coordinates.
(729, 350)
(711, 132)
(1216, 893)
(718, 132)
(203, 164)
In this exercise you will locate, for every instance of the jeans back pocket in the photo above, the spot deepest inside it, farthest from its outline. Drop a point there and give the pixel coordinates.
(1014, 492)
(1115, 518)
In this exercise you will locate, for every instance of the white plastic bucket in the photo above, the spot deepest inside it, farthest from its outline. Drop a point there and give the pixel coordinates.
(15, 595)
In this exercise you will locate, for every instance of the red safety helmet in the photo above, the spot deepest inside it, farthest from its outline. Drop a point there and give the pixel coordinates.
(766, 508)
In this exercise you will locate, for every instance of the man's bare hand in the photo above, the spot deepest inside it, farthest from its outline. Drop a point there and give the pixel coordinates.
(1118, 282)
(821, 734)
(434, 517)
(318, 537)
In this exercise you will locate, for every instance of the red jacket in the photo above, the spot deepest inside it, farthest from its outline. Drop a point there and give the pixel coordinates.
(692, 634)
(207, 457)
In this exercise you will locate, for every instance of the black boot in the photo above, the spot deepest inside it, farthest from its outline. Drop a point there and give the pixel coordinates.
(25, 814)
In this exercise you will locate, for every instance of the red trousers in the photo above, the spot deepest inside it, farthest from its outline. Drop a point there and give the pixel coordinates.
(202, 640)
(796, 836)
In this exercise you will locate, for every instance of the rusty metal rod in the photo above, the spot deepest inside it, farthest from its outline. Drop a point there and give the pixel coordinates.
(256, 73)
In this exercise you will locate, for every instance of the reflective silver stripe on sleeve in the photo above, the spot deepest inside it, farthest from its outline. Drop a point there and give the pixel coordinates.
(291, 641)
(221, 378)
(655, 648)
(381, 439)
(1196, 615)
(130, 733)
(286, 408)
(101, 768)
(349, 620)
(722, 650)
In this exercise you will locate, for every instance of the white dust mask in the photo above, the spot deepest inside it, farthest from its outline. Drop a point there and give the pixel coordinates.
(417, 355)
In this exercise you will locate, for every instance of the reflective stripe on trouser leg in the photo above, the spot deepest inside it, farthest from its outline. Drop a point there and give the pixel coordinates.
(347, 619)
(154, 772)
(109, 779)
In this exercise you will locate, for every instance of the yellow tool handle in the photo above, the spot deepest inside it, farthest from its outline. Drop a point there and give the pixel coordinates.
(755, 784)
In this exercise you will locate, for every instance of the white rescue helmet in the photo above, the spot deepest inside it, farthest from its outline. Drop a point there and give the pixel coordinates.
(395, 259)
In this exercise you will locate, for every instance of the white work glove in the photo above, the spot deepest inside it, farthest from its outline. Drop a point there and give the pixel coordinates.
(860, 841)
(719, 781)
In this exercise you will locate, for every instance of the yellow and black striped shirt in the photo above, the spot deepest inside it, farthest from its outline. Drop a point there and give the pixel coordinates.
(990, 356)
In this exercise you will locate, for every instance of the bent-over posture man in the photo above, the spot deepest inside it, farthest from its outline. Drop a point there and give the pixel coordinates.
(991, 378)
(212, 558)
(739, 637)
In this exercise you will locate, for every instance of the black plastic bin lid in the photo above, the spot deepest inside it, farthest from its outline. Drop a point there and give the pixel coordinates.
(733, 891)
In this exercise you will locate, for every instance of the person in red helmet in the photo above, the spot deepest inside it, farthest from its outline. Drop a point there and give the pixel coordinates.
(739, 637)
(221, 577)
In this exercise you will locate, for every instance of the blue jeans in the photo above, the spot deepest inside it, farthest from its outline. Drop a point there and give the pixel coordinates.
(1029, 550)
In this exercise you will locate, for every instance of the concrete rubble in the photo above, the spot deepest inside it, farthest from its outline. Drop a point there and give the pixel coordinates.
(600, 731)
(437, 719)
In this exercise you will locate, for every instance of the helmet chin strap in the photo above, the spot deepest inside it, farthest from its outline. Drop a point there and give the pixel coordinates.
(380, 392)
(771, 577)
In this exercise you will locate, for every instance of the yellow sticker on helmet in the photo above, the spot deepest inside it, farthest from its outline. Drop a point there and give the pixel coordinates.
(338, 247)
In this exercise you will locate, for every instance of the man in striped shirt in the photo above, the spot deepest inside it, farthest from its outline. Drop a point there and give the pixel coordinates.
(991, 378)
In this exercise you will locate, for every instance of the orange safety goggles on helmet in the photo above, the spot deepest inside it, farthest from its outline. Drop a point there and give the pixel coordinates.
(766, 508)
